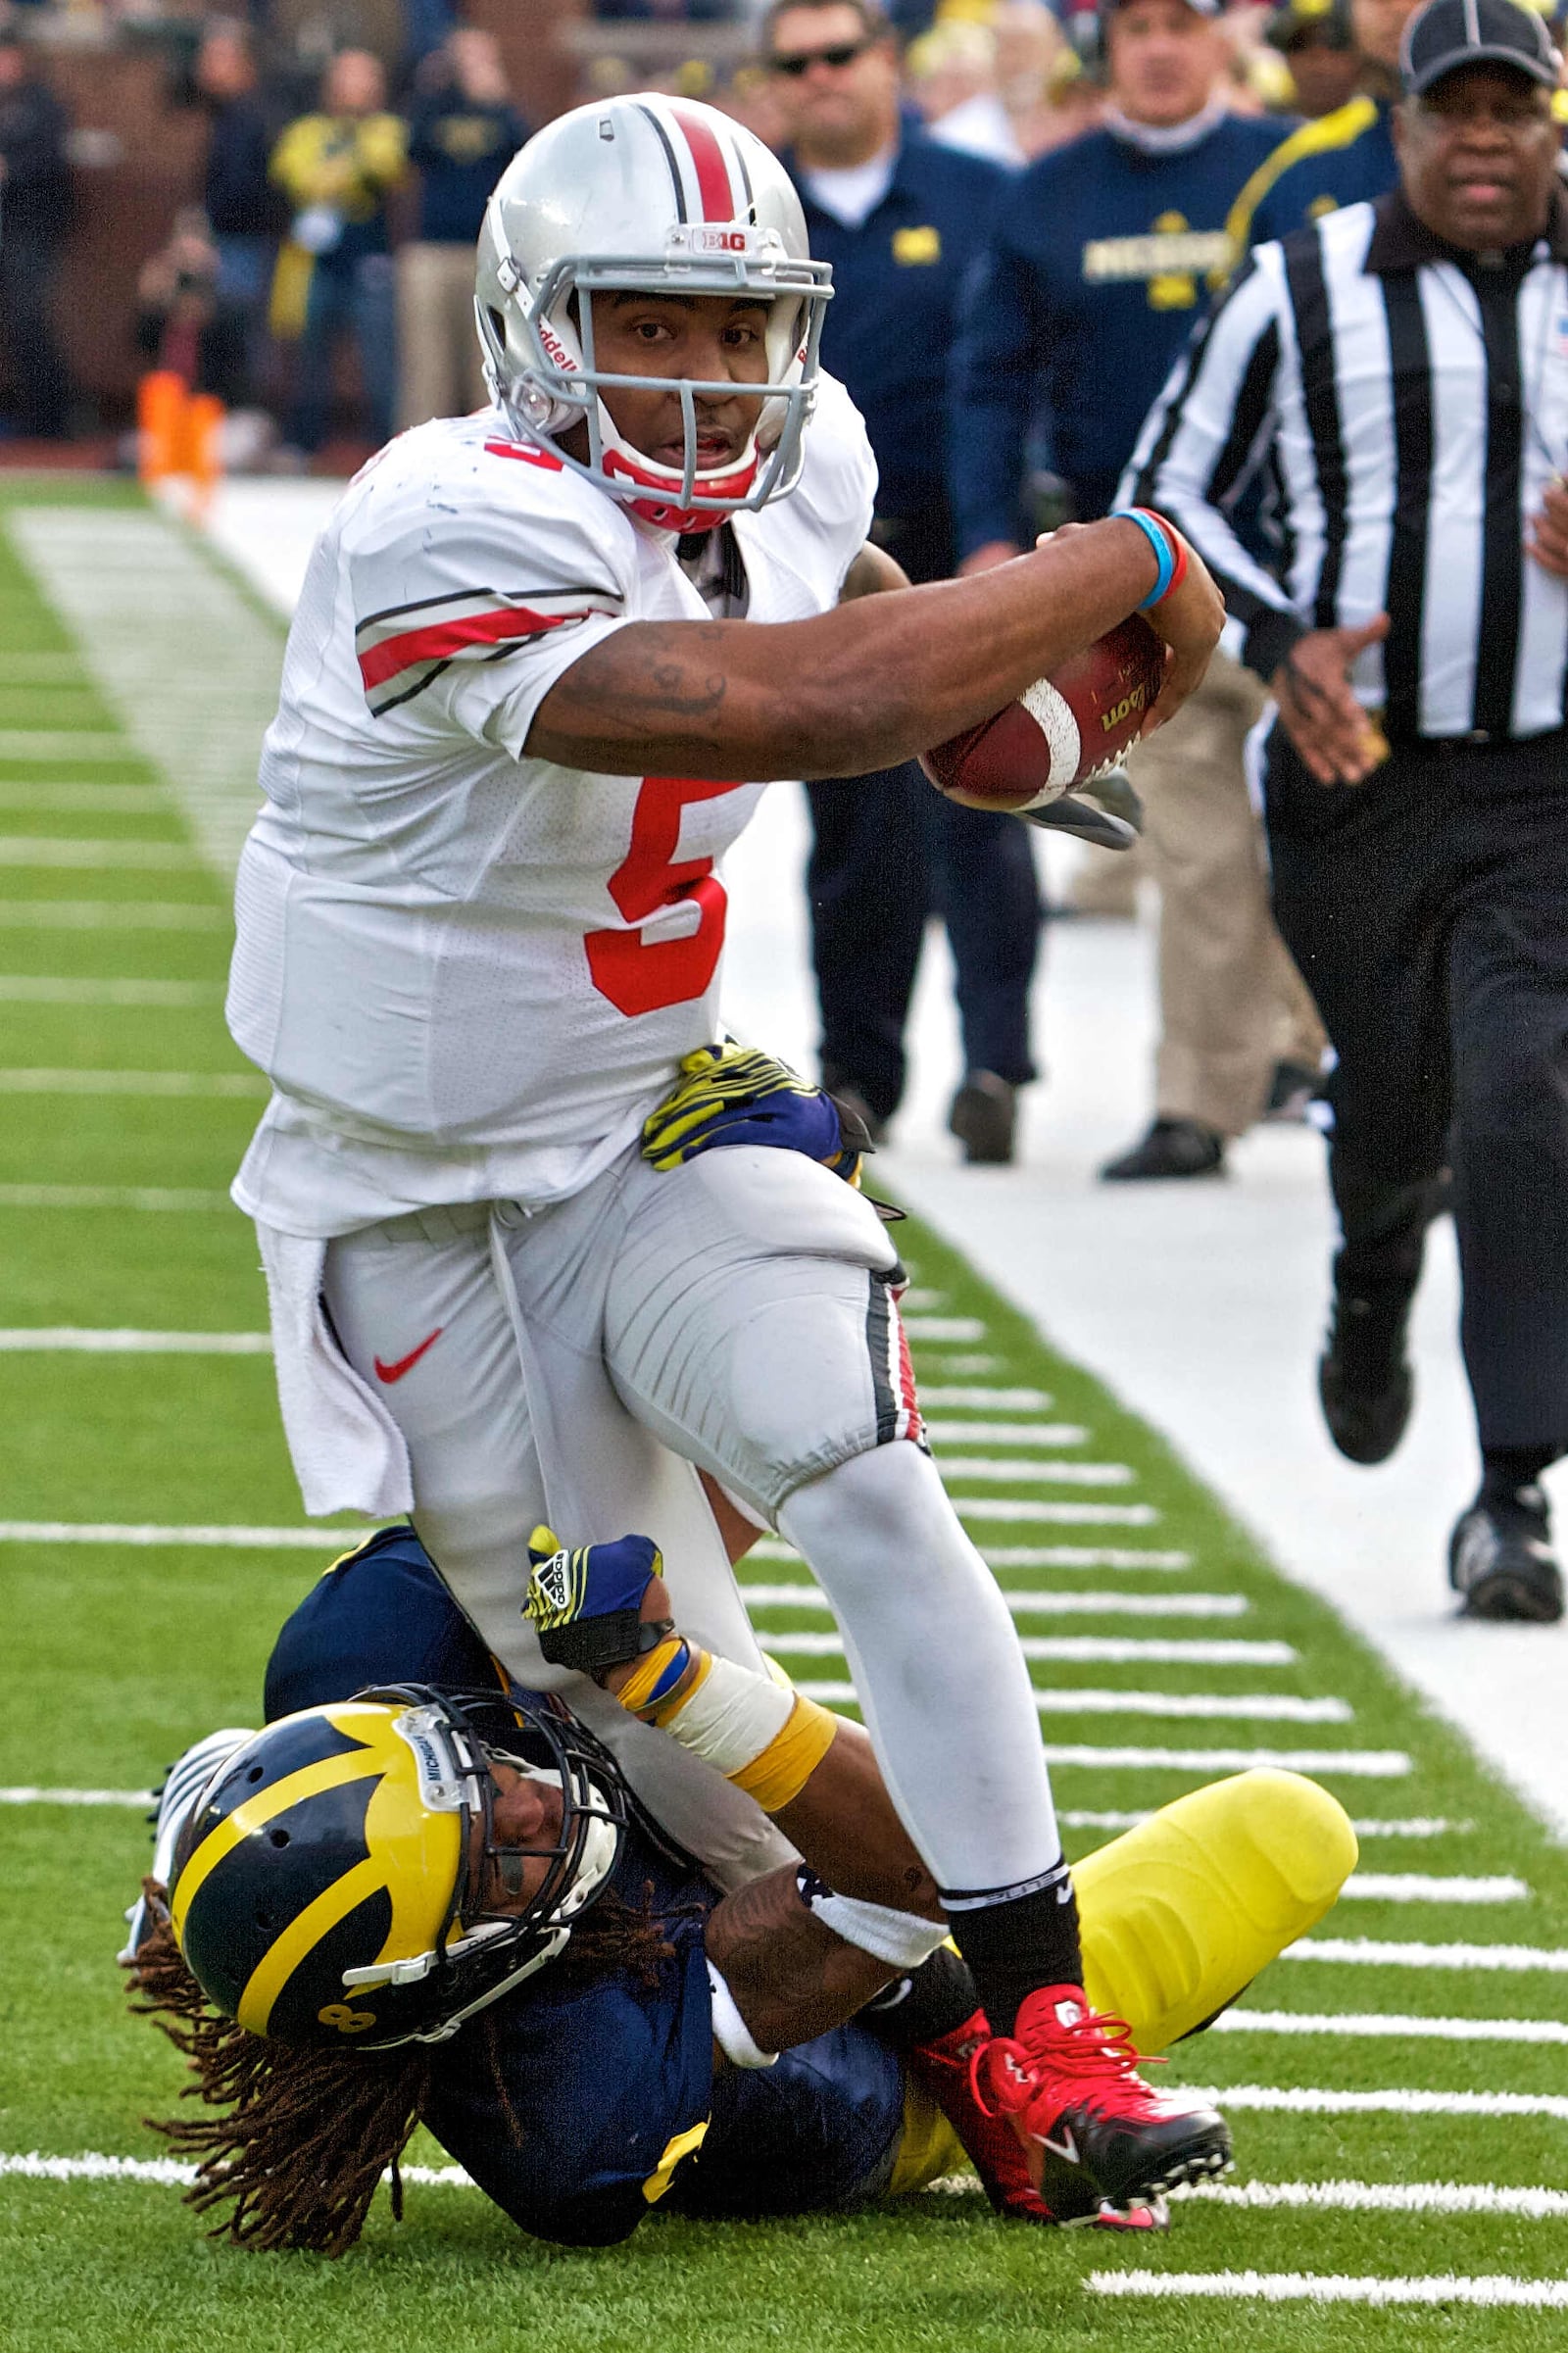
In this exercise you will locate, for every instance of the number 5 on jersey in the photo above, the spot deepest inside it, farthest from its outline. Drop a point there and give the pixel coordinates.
(639, 975)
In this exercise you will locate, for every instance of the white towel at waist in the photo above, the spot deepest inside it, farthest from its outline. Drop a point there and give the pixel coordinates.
(348, 1451)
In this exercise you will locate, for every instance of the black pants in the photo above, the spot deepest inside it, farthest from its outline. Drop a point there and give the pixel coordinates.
(30, 269)
(889, 851)
(1428, 910)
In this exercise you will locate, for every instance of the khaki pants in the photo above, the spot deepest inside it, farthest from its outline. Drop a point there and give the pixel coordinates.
(1231, 1001)
(440, 374)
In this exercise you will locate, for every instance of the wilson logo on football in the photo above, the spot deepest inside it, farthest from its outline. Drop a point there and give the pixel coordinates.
(1123, 709)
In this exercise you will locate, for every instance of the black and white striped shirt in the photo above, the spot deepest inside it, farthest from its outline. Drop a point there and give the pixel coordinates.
(1411, 407)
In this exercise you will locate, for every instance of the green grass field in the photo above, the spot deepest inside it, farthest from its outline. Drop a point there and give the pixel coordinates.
(124, 1111)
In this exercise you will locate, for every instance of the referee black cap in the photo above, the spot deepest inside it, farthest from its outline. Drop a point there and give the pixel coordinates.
(1448, 34)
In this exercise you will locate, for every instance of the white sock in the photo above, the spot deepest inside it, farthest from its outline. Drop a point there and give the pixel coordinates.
(941, 1682)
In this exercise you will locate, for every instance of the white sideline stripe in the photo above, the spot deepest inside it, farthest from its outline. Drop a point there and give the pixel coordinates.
(1232, 1707)
(1376, 1764)
(66, 850)
(938, 1331)
(1056, 1515)
(133, 1081)
(1044, 1605)
(116, 1532)
(27, 1795)
(1377, 2024)
(1081, 1556)
(111, 914)
(1335, 2288)
(1400, 2099)
(1000, 1434)
(1387, 2197)
(87, 800)
(67, 743)
(996, 1400)
(1421, 1887)
(32, 987)
(67, 1339)
(1374, 1953)
(1048, 1474)
(1410, 1826)
(109, 1196)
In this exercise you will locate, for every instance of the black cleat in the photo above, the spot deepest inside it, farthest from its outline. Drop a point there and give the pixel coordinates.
(984, 1116)
(1172, 1147)
(1501, 1560)
(1364, 1381)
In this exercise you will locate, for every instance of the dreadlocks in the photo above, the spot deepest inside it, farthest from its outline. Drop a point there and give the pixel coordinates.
(297, 2140)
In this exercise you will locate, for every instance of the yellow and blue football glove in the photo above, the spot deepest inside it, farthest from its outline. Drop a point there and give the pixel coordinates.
(729, 1094)
(586, 1604)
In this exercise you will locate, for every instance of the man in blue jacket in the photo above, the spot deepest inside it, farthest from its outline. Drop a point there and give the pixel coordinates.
(1106, 251)
(1343, 158)
(903, 220)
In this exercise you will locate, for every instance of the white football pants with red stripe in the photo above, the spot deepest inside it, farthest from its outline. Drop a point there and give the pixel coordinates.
(572, 1363)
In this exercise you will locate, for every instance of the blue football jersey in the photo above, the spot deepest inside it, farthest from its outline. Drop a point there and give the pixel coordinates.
(589, 2094)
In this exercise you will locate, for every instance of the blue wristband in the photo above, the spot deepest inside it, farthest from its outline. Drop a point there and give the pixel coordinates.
(1159, 540)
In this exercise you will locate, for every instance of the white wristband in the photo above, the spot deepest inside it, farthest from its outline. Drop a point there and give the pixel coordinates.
(730, 2030)
(900, 1939)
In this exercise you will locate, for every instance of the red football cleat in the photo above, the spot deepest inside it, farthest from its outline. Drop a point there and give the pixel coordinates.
(1092, 2131)
(946, 2069)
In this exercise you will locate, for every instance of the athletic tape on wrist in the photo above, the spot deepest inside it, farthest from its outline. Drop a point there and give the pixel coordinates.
(901, 1939)
(1163, 541)
(730, 2030)
(754, 1727)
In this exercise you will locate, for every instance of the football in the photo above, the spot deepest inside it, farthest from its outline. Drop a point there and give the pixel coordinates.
(1062, 731)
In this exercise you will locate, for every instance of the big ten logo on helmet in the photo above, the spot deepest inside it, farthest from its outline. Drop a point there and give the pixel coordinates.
(704, 237)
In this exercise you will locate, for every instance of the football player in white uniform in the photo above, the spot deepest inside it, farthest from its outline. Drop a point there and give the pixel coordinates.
(479, 933)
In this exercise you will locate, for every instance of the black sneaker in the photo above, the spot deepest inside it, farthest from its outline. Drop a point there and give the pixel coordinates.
(1500, 1562)
(984, 1116)
(1172, 1147)
(1364, 1381)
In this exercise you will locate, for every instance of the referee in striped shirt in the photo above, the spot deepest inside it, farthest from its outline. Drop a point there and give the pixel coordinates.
(1401, 369)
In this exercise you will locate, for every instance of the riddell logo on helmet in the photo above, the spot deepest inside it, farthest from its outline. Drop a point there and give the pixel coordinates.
(554, 349)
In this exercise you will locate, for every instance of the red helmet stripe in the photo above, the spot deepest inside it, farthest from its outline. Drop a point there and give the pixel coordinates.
(712, 173)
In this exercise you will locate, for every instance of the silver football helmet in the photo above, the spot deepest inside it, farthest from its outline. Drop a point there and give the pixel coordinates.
(644, 193)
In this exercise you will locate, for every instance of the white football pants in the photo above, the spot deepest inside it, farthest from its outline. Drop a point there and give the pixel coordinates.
(570, 1364)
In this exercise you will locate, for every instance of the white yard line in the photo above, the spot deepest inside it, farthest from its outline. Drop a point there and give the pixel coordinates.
(1042, 1604)
(1385, 2197)
(1422, 1887)
(27, 1795)
(1081, 1556)
(1236, 1707)
(1400, 2099)
(239, 1539)
(169, 996)
(182, 1200)
(1369, 1764)
(69, 1340)
(109, 914)
(1055, 1515)
(1410, 1826)
(1371, 1953)
(1335, 2288)
(1128, 1818)
(86, 800)
(1390, 2026)
(1005, 1433)
(196, 1083)
(69, 849)
(942, 1331)
(1045, 1474)
(994, 1400)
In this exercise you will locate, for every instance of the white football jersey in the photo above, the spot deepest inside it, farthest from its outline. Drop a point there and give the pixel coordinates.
(469, 974)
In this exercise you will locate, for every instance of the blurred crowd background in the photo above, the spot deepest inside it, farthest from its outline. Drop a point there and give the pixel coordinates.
(258, 197)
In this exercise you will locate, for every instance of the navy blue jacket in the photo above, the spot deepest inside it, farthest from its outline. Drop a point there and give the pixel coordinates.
(460, 151)
(897, 284)
(1343, 158)
(1102, 260)
(614, 2102)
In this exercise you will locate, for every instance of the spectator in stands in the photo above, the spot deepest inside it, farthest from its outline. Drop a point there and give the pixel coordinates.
(1095, 275)
(463, 130)
(902, 219)
(1343, 158)
(334, 274)
(35, 207)
(184, 321)
(245, 211)
(1315, 40)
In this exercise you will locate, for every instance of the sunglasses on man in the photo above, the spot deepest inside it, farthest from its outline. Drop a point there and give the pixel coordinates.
(798, 63)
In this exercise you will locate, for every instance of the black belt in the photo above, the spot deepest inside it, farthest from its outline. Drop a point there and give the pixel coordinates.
(1479, 739)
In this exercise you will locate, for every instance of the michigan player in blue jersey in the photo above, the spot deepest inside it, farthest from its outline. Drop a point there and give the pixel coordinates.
(413, 1907)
